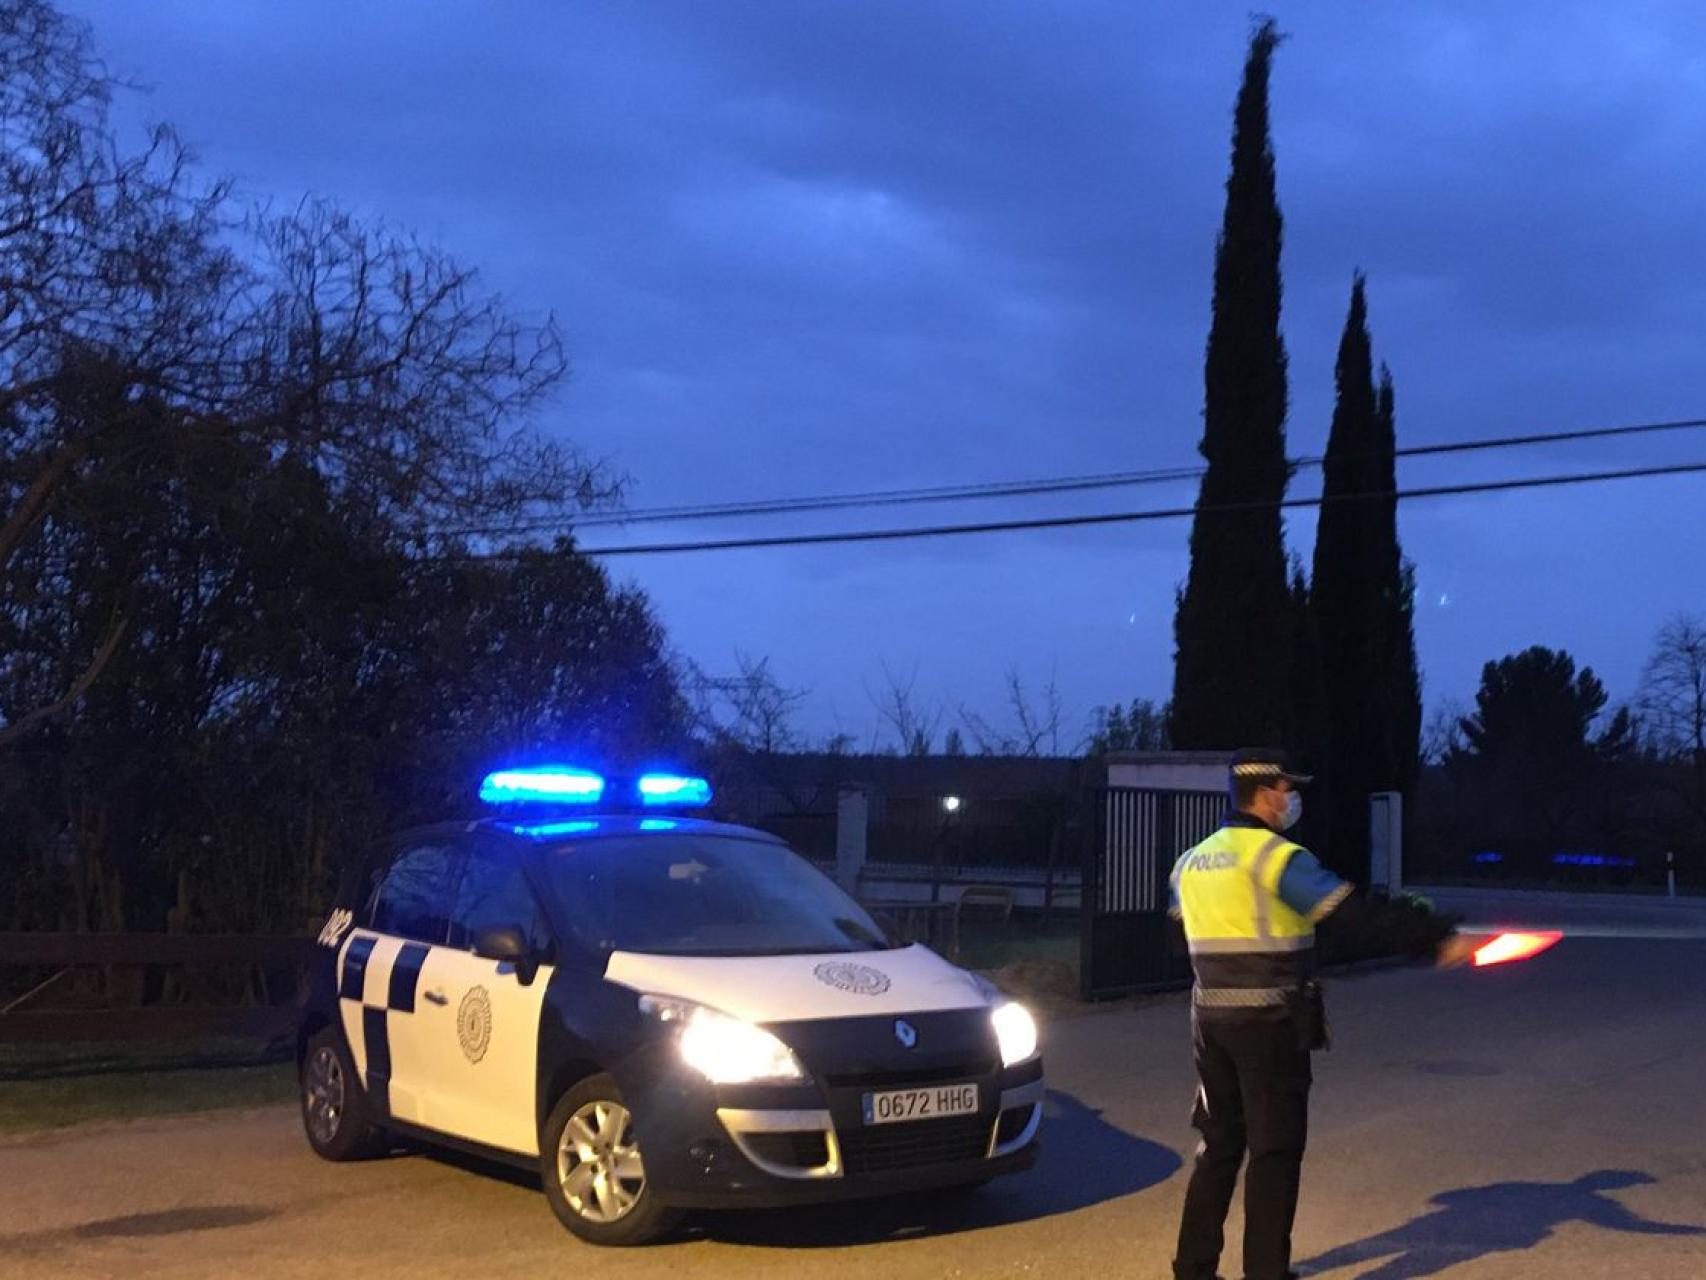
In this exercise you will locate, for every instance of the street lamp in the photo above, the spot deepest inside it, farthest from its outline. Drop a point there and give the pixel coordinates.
(950, 810)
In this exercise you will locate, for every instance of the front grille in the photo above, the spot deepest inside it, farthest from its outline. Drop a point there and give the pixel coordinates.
(801, 1149)
(905, 1078)
(882, 1148)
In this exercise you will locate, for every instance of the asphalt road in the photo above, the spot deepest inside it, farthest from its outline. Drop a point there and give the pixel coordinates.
(1611, 915)
(1539, 1120)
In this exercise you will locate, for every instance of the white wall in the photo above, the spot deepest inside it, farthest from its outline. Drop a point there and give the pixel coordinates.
(1170, 770)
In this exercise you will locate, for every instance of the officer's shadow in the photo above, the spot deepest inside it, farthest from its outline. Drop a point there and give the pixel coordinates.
(1083, 1161)
(1500, 1218)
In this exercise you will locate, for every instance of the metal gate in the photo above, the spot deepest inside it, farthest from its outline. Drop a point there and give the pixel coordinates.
(1125, 942)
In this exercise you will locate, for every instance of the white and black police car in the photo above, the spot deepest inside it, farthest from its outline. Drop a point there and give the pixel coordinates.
(657, 1012)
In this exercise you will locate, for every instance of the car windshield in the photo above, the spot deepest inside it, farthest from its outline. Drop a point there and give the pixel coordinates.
(690, 894)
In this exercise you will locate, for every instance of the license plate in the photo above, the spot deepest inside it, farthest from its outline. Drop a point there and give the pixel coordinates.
(896, 1106)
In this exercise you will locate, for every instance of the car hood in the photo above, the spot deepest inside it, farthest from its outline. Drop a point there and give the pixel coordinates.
(805, 987)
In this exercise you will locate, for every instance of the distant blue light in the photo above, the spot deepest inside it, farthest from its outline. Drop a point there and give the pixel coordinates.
(659, 824)
(1489, 857)
(1591, 860)
(671, 789)
(542, 784)
(547, 829)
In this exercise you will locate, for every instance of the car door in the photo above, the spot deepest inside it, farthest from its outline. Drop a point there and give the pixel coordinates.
(380, 968)
(483, 1015)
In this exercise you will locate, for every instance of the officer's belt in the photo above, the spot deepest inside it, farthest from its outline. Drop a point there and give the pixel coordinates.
(1248, 968)
(1241, 997)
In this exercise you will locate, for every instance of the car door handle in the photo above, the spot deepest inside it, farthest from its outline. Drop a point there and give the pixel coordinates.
(438, 997)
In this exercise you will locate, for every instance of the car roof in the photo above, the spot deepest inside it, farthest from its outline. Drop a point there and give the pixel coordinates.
(596, 825)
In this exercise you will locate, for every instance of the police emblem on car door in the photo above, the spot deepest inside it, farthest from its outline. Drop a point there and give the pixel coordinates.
(474, 1023)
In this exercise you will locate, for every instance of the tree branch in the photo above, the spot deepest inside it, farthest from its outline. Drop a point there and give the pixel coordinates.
(18, 728)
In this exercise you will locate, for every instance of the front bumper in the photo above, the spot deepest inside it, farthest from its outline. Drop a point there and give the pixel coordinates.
(713, 1147)
(818, 1148)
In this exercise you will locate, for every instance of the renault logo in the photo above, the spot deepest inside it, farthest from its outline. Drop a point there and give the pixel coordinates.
(905, 1032)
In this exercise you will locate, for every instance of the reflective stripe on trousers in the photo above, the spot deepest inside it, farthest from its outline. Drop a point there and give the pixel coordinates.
(1241, 997)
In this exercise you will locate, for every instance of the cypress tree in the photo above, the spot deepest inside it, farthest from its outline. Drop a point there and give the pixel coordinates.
(1232, 629)
(1397, 602)
(1361, 603)
(1342, 594)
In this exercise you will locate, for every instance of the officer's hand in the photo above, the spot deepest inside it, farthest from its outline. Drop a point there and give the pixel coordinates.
(1455, 951)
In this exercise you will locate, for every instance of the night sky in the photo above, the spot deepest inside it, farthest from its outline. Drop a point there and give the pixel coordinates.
(803, 248)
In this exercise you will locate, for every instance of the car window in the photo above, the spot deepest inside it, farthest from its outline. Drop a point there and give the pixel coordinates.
(413, 898)
(702, 895)
(493, 894)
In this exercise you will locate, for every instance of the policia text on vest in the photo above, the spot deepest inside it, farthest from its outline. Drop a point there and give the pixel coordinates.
(1249, 900)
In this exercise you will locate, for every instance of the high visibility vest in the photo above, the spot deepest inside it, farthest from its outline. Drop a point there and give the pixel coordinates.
(1248, 948)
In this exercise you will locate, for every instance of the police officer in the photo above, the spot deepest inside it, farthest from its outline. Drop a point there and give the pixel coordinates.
(1250, 899)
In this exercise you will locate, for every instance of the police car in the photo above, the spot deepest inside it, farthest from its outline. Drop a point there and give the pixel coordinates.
(657, 1012)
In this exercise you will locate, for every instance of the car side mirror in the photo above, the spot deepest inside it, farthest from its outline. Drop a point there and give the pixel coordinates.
(508, 945)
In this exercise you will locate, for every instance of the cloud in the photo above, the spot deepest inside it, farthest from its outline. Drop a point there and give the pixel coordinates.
(869, 243)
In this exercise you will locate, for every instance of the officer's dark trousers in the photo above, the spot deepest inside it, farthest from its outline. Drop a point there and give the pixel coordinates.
(1252, 1094)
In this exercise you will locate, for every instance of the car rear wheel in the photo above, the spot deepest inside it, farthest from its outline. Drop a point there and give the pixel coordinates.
(334, 1110)
(592, 1170)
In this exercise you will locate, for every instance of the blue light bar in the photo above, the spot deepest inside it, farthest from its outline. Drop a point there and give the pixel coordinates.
(671, 789)
(545, 830)
(659, 824)
(542, 784)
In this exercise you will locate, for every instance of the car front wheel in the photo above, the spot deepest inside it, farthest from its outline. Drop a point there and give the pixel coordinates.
(592, 1170)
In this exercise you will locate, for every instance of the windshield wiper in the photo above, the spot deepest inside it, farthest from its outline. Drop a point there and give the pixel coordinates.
(859, 933)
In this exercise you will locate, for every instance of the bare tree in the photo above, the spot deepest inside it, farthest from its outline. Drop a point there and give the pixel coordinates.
(378, 359)
(898, 705)
(1039, 719)
(1443, 734)
(1672, 696)
(752, 710)
(104, 257)
(1672, 702)
(1035, 721)
(348, 351)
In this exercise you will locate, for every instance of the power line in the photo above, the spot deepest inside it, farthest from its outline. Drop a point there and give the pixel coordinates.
(1020, 488)
(1119, 517)
(888, 497)
(1064, 522)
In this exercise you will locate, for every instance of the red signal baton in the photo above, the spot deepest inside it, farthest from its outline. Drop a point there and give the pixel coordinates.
(1502, 948)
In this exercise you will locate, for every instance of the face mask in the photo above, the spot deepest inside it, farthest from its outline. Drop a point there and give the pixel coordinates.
(1293, 811)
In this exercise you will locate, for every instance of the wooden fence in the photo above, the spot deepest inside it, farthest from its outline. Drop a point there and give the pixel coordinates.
(52, 1009)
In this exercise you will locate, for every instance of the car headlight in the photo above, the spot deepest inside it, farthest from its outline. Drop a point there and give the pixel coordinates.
(724, 1049)
(1015, 1032)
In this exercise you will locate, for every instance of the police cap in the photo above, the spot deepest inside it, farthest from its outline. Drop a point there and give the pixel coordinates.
(1267, 764)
